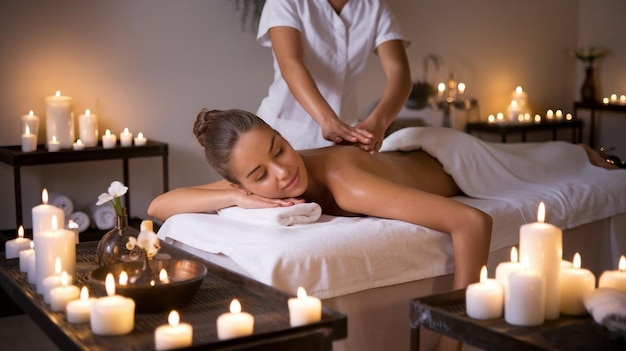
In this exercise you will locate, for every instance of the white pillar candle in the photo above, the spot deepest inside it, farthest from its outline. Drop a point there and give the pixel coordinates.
(520, 96)
(304, 309)
(25, 256)
(13, 247)
(79, 310)
(73, 226)
(88, 128)
(32, 122)
(126, 138)
(485, 299)
(42, 216)
(525, 298)
(505, 268)
(113, 314)
(51, 244)
(78, 145)
(52, 281)
(575, 283)
(542, 243)
(109, 140)
(60, 119)
(513, 111)
(62, 295)
(615, 279)
(31, 273)
(29, 141)
(234, 323)
(54, 145)
(173, 335)
(140, 140)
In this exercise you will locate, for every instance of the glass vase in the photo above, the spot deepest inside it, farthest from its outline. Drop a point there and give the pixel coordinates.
(112, 247)
(588, 90)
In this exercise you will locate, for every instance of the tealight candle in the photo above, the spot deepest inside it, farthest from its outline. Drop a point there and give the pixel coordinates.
(558, 114)
(29, 141)
(485, 299)
(163, 277)
(51, 244)
(542, 243)
(123, 279)
(32, 122)
(234, 324)
(60, 119)
(460, 88)
(613, 98)
(13, 247)
(622, 99)
(140, 140)
(62, 295)
(505, 268)
(605, 100)
(25, 256)
(79, 310)
(109, 140)
(304, 309)
(88, 128)
(53, 144)
(42, 215)
(500, 117)
(78, 145)
(113, 314)
(491, 119)
(575, 283)
(549, 114)
(53, 281)
(173, 335)
(525, 298)
(537, 118)
(615, 279)
(569, 117)
(126, 138)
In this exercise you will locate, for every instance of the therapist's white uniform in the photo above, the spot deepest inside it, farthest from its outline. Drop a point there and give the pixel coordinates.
(336, 49)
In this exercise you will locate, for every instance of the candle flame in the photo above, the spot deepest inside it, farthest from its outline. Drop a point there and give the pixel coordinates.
(57, 266)
(64, 279)
(461, 88)
(577, 261)
(514, 103)
(31, 113)
(87, 112)
(514, 257)
(54, 223)
(109, 284)
(140, 135)
(123, 279)
(537, 118)
(27, 130)
(44, 196)
(301, 293)
(78, 141)
(441, 87)
(541, 212)
(20, 232)
(483, 274)
(58, 93)
(163, 278)
(235, 306)
(622, 264)
(174, 318)
(107, 132)
(54, 138)
(519, 90)
(152, 282)
(126, 131)
(84, 293)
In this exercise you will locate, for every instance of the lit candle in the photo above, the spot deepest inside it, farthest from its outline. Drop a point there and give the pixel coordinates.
(569, 117)
(622, 99)
(500, 117)
(559, 114)
(163, 277)
(234, 324)
(461, 87)
(550, 114)
(513, 110)
(13, 247)
(29, 141)
(32, 122)
(613, 98)
(42, 215)
(109, 140)
(52, 281)
(88, 128)
(542, 243)
(25, 256)
(485, 299)
(73, 226)
(441, 88)
(31, 273)
(123, 279)
(524, 300)
(173, 335)
(505, 268)
(537, 118)
(605, 100)
(62, 295)
(113, 314)
(140, 140)
(126, 138)
(615, 279)
(60, 119)
(79, 310)
(520, 96)
(304, 309)
(54, 145)
(575, 283)
(78, 145)
(50, 244)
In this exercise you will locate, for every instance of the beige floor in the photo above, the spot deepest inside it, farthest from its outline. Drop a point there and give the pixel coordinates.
(20, 333)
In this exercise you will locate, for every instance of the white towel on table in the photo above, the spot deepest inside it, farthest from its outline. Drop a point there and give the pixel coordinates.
(607, 306)
(301, 213)
(61, 201)
(82, 219)
(103, 216)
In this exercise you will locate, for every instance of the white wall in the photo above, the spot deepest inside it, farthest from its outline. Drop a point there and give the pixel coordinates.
(151, 65)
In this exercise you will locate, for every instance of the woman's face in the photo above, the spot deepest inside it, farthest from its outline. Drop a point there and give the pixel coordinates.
(265, 164)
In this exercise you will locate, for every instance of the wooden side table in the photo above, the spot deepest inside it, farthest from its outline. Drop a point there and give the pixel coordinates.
(268, 305)
(505, 129)
(593, 107)
(445, 314)
(13, 156)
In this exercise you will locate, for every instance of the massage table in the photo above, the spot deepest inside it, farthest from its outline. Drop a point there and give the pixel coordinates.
(370, 268)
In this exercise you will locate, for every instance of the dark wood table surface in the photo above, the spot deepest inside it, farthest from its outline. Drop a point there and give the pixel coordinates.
(268, 305)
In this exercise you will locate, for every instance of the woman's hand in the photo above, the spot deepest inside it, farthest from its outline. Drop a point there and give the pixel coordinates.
(255, 201)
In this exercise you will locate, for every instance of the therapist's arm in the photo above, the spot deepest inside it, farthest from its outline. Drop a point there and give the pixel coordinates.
(396, 68)
(287, 47)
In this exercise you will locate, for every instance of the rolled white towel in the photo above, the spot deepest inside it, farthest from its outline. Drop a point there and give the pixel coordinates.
(82, 219)
(302, 213)
(103, 216)
(61, 201)
(607, 306)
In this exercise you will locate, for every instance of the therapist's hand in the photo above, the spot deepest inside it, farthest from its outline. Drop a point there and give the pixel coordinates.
(338, 132)
(377, 135)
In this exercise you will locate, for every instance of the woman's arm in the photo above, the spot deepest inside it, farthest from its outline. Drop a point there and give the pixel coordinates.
(396, 67)
(287, 47)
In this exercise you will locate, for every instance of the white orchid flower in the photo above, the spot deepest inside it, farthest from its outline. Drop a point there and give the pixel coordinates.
(149, 242)
(117, 189)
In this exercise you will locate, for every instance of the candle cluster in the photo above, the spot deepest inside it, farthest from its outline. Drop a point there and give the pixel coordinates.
(541, 286)
(60, 129)
(614, 100)
(518, 111)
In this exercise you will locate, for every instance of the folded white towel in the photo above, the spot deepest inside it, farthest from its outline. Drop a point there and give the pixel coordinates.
(61, 201)
(82, 219)
(302, 213)
(607, 306)
(103, 216)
